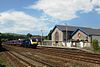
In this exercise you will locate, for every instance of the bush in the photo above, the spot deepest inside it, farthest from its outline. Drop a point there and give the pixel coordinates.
(95, 44)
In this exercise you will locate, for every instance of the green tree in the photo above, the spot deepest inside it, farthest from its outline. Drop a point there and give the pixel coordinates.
(95, 44)
(11, 36)
(29, 35)
(0, 40)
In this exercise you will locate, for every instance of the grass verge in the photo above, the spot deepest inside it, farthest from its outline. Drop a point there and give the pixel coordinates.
(4, 62)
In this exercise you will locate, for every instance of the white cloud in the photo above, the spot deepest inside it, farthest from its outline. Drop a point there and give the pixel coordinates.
(96, 3)
(97, 10)
(19, 22)
(65, 9)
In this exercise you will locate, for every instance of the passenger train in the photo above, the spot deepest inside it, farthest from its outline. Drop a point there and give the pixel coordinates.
(32, 42)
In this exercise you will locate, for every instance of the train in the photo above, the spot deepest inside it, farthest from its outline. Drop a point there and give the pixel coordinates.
(31, 42)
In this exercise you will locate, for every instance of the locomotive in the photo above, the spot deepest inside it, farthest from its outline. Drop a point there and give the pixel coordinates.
(31, 42)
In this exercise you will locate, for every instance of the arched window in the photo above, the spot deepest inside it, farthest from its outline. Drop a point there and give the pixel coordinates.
(86, 39)
(57, 36)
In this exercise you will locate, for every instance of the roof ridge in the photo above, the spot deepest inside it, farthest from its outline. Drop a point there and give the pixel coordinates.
(74, 26)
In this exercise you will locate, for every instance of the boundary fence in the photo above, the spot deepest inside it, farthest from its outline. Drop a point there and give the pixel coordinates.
(66, 44)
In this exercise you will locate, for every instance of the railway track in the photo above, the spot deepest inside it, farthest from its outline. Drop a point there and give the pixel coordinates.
(45, 61)
(25, 61)
(34, 60)
(75, 55)
(16, 61)
(55, 57)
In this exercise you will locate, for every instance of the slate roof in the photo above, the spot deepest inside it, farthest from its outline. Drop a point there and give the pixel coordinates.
(89, 31)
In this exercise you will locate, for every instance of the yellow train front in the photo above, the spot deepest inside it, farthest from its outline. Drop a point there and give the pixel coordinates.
(35, 42)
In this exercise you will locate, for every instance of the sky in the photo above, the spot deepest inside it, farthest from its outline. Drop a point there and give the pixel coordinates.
(32, 16)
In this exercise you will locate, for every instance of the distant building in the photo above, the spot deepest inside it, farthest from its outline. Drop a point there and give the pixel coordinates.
(86, 35)
(62, 34)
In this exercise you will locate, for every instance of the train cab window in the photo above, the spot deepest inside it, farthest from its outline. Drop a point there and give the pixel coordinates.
(33, 40)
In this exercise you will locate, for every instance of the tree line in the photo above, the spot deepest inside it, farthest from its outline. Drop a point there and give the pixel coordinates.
(11, 36)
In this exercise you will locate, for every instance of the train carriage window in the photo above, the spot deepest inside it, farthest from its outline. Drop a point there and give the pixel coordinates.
(37, 40)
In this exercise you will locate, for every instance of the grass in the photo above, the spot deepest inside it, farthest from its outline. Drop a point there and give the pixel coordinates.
(97, 50)
(4, 62)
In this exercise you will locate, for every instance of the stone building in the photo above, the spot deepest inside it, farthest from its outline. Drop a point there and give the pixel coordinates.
(62, 34)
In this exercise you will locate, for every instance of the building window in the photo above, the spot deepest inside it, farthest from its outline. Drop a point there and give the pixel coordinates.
(79, 35)
(86, 39)
(56, 36)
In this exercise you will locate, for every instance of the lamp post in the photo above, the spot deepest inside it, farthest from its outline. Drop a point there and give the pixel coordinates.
(66, 33)
(42, 36)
